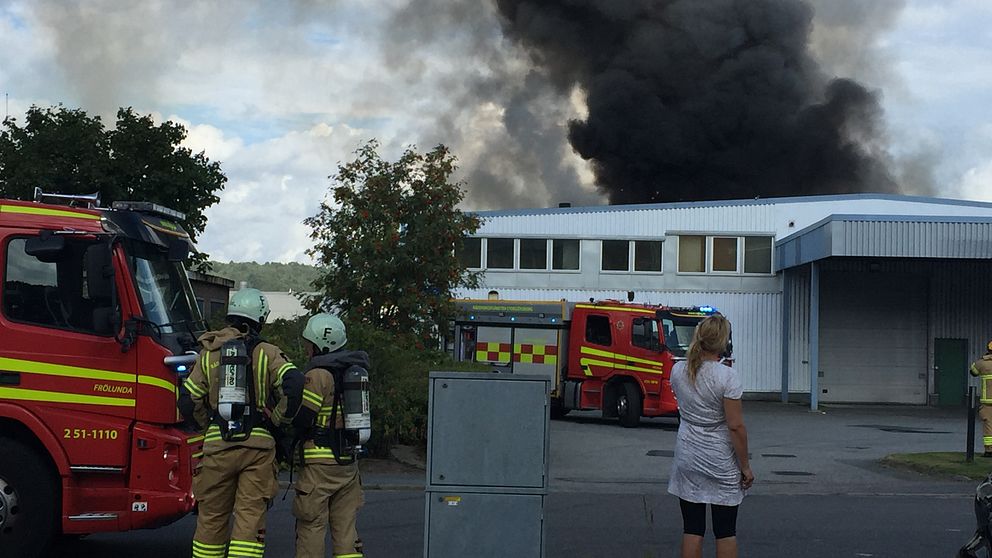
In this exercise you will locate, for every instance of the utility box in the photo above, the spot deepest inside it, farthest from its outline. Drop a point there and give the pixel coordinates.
(487, 465)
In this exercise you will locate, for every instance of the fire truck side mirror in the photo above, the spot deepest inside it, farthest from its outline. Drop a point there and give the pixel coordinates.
(48, 247)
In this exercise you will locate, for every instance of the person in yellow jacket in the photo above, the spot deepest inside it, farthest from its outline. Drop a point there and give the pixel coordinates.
(239, 390)
(329, 490)
(982, 368)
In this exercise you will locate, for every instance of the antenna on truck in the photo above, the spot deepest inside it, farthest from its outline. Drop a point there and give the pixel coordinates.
(91, 201)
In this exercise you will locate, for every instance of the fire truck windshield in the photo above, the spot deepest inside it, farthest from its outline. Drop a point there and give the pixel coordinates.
(166, 296)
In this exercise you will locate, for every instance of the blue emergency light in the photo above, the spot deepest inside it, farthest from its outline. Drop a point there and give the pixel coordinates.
(707, 309)
(181, 368)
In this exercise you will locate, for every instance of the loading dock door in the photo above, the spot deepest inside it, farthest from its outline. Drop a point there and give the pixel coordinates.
(873, 341)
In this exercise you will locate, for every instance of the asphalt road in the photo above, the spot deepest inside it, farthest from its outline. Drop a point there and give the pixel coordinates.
(820, 493)
(629, 525)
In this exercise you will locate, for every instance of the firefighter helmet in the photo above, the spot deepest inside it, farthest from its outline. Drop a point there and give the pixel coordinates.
(249, 303)
(325, 331)
(989, 346)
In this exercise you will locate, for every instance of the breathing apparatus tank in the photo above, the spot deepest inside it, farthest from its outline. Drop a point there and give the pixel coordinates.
(356, 412)
(233, 397)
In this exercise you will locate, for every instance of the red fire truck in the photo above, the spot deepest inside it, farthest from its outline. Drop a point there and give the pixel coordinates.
(609, 356)
(97, 320)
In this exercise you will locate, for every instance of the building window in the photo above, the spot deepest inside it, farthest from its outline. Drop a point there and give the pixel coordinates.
(533, 253)
(499, 253)
(692, 254)
(616, 255)
(725, 254)
(469, 252)
(758, 254)
(647, 255)
(565, 254)
(598, 330)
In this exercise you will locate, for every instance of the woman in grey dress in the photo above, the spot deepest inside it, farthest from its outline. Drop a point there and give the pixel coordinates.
(711, 458)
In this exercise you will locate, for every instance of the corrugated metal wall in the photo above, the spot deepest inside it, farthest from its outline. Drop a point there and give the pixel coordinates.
(640, 223)
(913, 239)
(959, 306)
(756, 319)
(798, 358)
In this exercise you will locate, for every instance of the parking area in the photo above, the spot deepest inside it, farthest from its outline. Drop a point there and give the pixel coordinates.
(793, 450)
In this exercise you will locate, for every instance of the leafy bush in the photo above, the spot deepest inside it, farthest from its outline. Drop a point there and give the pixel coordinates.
(399, 389)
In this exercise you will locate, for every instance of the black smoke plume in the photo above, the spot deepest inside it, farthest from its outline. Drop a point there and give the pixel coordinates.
(704, 99)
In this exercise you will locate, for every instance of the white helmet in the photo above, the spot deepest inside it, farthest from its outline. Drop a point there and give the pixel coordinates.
(326, 331)
(249, 303)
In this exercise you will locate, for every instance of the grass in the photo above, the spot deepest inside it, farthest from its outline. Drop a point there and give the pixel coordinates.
(941, 464)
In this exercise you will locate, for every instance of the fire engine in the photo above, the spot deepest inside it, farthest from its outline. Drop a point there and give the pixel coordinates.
(97, 323)
(609, 356)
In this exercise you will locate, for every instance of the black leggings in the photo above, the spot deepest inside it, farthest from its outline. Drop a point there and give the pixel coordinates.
(694, 519)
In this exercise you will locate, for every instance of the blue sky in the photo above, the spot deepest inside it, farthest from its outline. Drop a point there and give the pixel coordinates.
(280, 93)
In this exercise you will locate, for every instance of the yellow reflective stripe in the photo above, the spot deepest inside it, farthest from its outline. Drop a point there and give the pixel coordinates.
(21, 394)
(50, 369)
(263, 365)
(207, 546)
(29, 210)
(349, 556)
(596, 352)
(213, 433)
(194, 439)
(313, 397)
(196, 390)
(198, 455)
(616, 308)
(974, 370)
(585, 362)
(157, 382)
(318, 454)
(205, 368)
(618, 365)
(282, 371)
(246, 548)
(637, 359)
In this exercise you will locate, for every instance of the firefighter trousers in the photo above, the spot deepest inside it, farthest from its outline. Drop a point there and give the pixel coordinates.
(328, 494)
(985, 413)
(240, 481)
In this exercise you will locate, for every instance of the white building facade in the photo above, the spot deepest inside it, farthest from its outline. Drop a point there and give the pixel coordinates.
(885, 296)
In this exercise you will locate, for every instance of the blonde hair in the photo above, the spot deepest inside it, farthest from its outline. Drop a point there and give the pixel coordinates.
(710, 336)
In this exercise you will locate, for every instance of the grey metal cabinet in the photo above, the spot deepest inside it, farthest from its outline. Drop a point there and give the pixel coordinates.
(487, 465)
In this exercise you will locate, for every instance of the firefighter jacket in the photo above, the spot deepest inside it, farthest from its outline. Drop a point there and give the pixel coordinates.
(268, 367)
(318, 402)
(983, 369)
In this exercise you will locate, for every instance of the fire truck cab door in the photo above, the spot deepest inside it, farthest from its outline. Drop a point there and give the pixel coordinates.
(596, 351)
(644, 354)
(58, 353)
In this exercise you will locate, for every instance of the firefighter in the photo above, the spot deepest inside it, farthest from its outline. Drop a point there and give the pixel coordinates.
(983, 369)
(238, 392)
(329, 489)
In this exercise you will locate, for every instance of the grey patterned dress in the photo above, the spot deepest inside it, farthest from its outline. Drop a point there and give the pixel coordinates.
(705, 469)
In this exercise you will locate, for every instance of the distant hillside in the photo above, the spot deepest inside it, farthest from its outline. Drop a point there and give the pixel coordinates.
(269, 276)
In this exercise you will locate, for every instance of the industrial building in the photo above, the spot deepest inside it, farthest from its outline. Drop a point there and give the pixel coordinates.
(885, 297)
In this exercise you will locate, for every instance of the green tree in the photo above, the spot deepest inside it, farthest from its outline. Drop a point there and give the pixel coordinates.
(386, 247)
(66, 151)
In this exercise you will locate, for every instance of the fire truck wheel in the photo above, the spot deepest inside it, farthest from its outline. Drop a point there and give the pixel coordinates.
(629, 405)
(27, 501)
